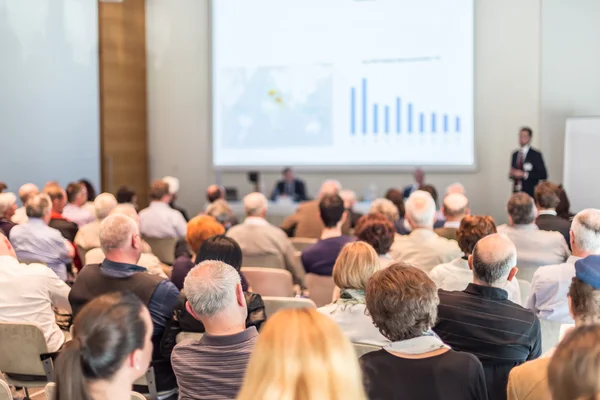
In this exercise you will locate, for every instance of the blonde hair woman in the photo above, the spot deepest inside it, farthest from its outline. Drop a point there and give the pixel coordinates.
(353, 268)
(302, 355)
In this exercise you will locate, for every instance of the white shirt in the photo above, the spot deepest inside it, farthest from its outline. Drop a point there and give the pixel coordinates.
(524, 150)
(456, 276)
(385, 260)
(424, 249)
(160, 221)
(547, 212)
(28, 294)
(356, 325)
(452, 224)
(20, 216)
(550, 289)
(79, 215)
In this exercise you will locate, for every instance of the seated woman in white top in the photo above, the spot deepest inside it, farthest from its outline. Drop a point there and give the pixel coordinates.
(456, 274)
(354, 266)
(379, 232)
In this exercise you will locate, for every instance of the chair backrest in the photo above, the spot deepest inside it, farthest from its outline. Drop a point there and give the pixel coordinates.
(269, 281)
(301, 243)
(263, 261)
(164, 249)
(525, 288)
(137, 396)
(320, 288)
(274, 304)
(5, 393)
(362, 349)
(550, 334)
(49, 391)
(20, 348)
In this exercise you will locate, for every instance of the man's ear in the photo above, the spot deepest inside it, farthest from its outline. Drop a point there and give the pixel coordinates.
(471, 262)
(239, 294)
(512, 273)
(344, 217)
(189, 309)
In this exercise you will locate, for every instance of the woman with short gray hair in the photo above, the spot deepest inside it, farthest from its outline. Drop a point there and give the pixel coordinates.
(403, 302)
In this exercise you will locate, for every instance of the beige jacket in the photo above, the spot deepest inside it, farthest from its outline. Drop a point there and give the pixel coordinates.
(424, 249)
(529, 381)
(307, 221)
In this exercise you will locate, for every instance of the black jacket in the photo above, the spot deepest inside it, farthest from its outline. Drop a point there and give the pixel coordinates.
(547, 222)
(299, 190)
(538, 170)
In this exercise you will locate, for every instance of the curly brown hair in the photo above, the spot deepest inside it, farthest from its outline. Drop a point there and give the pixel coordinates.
(402, 301)
(472, 229)
(546, 195)
(376, 230)
(585, 301)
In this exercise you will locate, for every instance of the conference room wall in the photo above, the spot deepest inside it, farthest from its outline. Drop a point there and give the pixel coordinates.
(507, 82)
(49, 118)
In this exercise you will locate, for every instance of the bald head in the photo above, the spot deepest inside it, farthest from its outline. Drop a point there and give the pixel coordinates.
(27, 190)
(255, 205)
(330, 187)
(214, 192)
(5, 248)
(455, 187)
(493, 259)
(456, 207)
(127, 210)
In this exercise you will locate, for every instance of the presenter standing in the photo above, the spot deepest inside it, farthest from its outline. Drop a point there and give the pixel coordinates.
(290, 187)
(527, 167)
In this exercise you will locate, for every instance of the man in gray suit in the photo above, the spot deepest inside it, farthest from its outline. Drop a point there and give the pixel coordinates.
(534, 246)
(263, 244)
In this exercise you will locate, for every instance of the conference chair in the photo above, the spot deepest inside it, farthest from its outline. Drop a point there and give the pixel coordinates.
(525, 288)
(188, 335)
(320, 288)
(550, 334)
(269, 281)
(51, 387)
(148, 380)
(262, 260)
(5, 393)
(274, 304)
(24, 357)
(163, 249)
(81, 253)
(301, 243)
(362, 349)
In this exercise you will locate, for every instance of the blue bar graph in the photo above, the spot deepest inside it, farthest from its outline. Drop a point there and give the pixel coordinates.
(427, 119)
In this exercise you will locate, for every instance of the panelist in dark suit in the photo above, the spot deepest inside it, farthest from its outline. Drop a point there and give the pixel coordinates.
(546, 200)
(290, 186)
(527, 166)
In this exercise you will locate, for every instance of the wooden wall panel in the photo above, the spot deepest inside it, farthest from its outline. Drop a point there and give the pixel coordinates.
(123, 105)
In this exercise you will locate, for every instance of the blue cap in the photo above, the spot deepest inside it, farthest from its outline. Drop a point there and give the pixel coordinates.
(588, 270)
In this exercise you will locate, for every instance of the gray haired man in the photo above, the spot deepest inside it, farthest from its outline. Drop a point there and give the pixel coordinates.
(213, 367)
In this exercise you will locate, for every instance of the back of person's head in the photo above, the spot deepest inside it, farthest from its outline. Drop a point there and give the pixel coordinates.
(3, 187)
(111, 337)
(521, 209)
(546, 195)
(27, 190)
(330, 187)
(420, 210)
(91, 192)
(472, 229)
(255, 204)
(402, 301)
(455, 187)
(494, 259)
(126, 194)
(173, 184)
(432, 191)
(302, 355)
(355, 264)
(456, 205)
(55, 192)
(103, 204)
(349, 198)
(563, 208)
(8, 204)
(38, 205)
(386, 208)
(221, 248)
(376, 230)
(585, 232)
(397, 197)
(220, 210)
(125, 209)
(575, 366)
(120, 232)
(76, 193)
(201, 228)
(159, 190)
(213, 288)
(214, 192)
(331, 209)
(584, 292)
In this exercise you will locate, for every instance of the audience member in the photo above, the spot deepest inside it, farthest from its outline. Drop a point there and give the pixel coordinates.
(119, 272)
(214, 366)
(36, 241)
(563, 209)
(550, 284)
(198, 230)
(573, 371)
(261, 240)
(88, 236)
(127, 195)
(66, 227)
(534, 246)
(214, 193)
(220, 210)
(423, 248)
(457, 274)
(482, 321)
(419, 179)
(28, 294)
(174, 191)
(455, 208)
(403, 302)
(354, 267)
(455, 188)
(302, 354)
(110, 350)
(529, 381)
(290, 187)
(320, 257)
(396, 197)
(379, 232)
(386, 208)
(546, 200)
(305, 222)
(439, 216)
(25, 191)
(349, 198)
(3, 187)
(159, 220)
(91, 196)
(8, 205)
(403, 226)
(76, 199)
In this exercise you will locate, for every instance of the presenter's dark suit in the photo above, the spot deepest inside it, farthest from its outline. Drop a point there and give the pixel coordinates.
(538, 170)
(296, 191)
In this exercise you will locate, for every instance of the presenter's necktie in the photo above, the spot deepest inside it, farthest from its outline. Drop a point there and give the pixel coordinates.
(520, 160)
